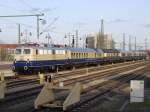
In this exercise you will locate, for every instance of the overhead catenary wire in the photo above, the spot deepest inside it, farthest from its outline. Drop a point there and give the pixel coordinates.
(29, 6)
(55, 19)
(12, 8)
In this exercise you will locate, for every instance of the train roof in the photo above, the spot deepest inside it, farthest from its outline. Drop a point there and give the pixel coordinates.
(65, 48)
(81, 49)
(99, 50)
(110, 51)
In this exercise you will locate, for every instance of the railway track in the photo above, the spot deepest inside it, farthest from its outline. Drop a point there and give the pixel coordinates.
(93, 98)
(25, 80)
(93, 69)
(22, 96)
(84, 78)
(5, 66)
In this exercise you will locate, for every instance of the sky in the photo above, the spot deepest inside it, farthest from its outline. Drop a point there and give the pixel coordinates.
(63, 16)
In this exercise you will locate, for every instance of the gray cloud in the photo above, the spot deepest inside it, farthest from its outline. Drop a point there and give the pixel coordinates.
(147, 23)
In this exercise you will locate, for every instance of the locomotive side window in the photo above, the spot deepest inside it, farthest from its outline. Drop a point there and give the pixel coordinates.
(63, 52)
(53, 51)
(18, 51)
(49, 52)
(45, 51)
(26, 51)
(41, 51)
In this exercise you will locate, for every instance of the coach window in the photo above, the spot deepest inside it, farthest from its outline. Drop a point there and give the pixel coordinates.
(26, 51)
(76, 55)
(45, 51)
(65, 51)
(41, 51)
(71, 55)
(36, 51)
(49, 52)
(18, 51)
(53, 51)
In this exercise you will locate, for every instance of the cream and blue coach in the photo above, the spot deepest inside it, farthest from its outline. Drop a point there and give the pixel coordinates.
(40, 58)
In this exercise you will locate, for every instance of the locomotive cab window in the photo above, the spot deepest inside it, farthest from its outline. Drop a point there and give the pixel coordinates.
(26, 51)
(18, 51)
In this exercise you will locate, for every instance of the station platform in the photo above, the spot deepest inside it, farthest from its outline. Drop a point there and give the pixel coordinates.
(5, 62)
(7, 73)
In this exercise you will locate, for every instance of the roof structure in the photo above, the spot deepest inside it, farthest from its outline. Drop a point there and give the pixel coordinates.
(9, 45)
(110, 50)
(81, 49)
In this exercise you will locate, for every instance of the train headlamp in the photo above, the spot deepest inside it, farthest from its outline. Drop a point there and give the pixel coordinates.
(25, 68)
(27, 60)
(14, 60)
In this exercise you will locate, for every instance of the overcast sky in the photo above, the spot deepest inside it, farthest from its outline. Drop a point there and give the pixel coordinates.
(63, 16)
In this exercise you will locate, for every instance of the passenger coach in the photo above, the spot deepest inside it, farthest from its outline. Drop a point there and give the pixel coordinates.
(39, 59)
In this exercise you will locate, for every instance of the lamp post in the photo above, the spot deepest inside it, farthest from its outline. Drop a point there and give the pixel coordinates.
(48, 37)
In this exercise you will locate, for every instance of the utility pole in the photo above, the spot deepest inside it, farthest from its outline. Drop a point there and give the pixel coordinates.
(124, 42)
(69, 38)
(145, 43)
(102, 27)
(19, 36)
(76, 38)
(72, 40)
(135, 44)
(38, 27)
(129, 42)
(26, 35)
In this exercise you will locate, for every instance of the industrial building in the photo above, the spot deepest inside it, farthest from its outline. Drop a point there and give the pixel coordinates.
(100, 40)
(91, 41)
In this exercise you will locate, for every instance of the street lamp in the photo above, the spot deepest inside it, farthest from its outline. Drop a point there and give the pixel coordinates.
(48, 37)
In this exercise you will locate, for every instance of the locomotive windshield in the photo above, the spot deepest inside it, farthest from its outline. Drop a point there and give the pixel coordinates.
(18, 51)
(26, 51)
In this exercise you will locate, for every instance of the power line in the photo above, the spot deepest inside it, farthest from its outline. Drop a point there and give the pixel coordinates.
(36, 15)
(12, 8)
(27, 5)
(55, 19)
(35, 10)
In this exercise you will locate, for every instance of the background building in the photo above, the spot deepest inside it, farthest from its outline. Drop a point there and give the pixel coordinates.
(7, 52)
(100, 41)
(91, 41)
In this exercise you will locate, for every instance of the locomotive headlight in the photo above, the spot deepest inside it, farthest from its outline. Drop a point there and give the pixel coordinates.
(14, 60)
(13, 68)
(25, 68)
(27, 60)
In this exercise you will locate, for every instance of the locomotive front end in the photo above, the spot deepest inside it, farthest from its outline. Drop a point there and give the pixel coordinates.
(22, 59)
